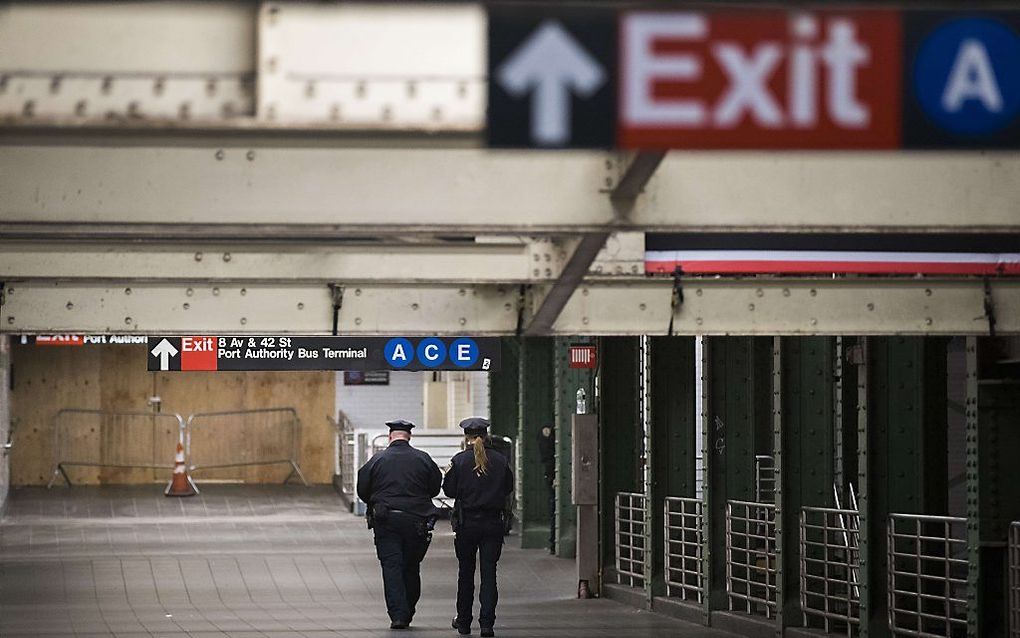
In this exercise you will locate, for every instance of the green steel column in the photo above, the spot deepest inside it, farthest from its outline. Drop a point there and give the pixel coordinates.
(993, 491)
(536, 383)
(648, 447)
(503, 390)
(568, 381)
(672, 415)
(738, 426)
(619, 432)
(902, 452)
(870, 624)
(803, 416)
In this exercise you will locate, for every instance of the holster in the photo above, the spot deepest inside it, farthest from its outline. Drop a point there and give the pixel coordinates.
(425, 527)
(380, 513)
(456, 518)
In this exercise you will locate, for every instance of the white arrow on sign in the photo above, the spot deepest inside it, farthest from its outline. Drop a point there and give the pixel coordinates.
(552, 65)
(164, 350)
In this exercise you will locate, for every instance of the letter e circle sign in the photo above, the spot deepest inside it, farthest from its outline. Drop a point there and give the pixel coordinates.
(464, 352)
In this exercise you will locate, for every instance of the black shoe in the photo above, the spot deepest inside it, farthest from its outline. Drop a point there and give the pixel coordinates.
(487, 631)
(463, 630)
(398, 624)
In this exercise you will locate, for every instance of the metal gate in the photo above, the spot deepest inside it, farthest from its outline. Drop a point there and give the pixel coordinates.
(1014, 580)
(751, 557)
(630, 538)
(684, 546)
(927, 575)
(830, 568)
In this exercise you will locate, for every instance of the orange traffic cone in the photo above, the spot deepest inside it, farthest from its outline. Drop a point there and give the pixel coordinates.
(181, 484)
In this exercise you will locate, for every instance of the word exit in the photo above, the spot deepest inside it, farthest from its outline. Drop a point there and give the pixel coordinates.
(768, 80)
(754, 79)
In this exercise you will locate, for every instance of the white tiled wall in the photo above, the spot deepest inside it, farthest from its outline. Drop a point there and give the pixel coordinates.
(371, 406)
(479, 387)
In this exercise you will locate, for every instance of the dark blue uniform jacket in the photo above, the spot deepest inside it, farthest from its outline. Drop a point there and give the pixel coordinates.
(476, 492)
(402, 478)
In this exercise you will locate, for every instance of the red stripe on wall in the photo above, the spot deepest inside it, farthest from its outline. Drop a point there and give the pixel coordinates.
(849, 267)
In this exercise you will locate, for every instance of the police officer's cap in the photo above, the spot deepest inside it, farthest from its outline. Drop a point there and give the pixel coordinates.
(400, 424)
(474, 425)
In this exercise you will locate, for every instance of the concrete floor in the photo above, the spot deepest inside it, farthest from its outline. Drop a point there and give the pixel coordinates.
(247, 561)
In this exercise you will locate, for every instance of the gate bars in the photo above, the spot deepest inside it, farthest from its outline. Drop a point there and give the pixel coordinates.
(858, 569)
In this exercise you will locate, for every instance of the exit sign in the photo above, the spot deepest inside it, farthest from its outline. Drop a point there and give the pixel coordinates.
(582, 356)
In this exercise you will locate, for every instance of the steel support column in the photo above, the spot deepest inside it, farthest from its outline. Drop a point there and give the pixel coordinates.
(504, 398)
(738, 427)
(536, 411)
(673, 429)
(619, 431)
(902, 451)
(993, 493)
(803, 419)
(568, 382)
(648, 452)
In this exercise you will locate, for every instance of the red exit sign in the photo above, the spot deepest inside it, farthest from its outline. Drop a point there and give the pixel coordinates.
(582, 356)
(198, 353)
(769, 79)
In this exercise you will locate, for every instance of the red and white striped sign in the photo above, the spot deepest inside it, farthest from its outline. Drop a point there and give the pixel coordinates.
(582, 356)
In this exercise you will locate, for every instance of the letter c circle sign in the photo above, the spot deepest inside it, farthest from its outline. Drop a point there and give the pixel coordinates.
(431, 352)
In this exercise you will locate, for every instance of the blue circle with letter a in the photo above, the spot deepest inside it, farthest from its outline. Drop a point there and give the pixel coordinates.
(967, 76)
(398, 352)
(431, 352)
(464, 352)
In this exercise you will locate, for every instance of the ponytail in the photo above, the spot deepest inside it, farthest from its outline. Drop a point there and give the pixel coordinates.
(481, 458)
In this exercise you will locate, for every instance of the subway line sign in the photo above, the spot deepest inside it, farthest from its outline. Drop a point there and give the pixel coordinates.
(754, 79)
(241, 353)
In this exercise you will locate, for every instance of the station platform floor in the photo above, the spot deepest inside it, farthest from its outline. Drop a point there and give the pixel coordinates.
(255, 561)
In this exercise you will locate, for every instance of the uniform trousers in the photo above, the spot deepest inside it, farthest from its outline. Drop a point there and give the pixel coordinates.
(401, 546)
(480, 537)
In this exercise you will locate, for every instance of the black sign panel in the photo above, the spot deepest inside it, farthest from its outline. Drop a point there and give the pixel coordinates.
(551, 78)
(241, 353)
(371, 377)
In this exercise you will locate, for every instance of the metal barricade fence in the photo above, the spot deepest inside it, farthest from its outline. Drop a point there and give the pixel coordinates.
(344, 465)
(630, 538)
(120, 440)
(927, 575)
(1014, 580)
(684, 546)
(245, 438)
(830, 568)
(751, 557)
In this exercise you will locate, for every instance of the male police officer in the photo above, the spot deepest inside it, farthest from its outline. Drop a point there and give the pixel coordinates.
(398, 484)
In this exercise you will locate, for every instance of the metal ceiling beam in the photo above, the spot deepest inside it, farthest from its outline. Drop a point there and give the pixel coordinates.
(792, 306)
(293, 189)
(638, 306)
(125, 263)
(623, 197)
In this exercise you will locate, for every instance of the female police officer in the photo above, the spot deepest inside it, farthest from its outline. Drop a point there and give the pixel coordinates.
(480, 480)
